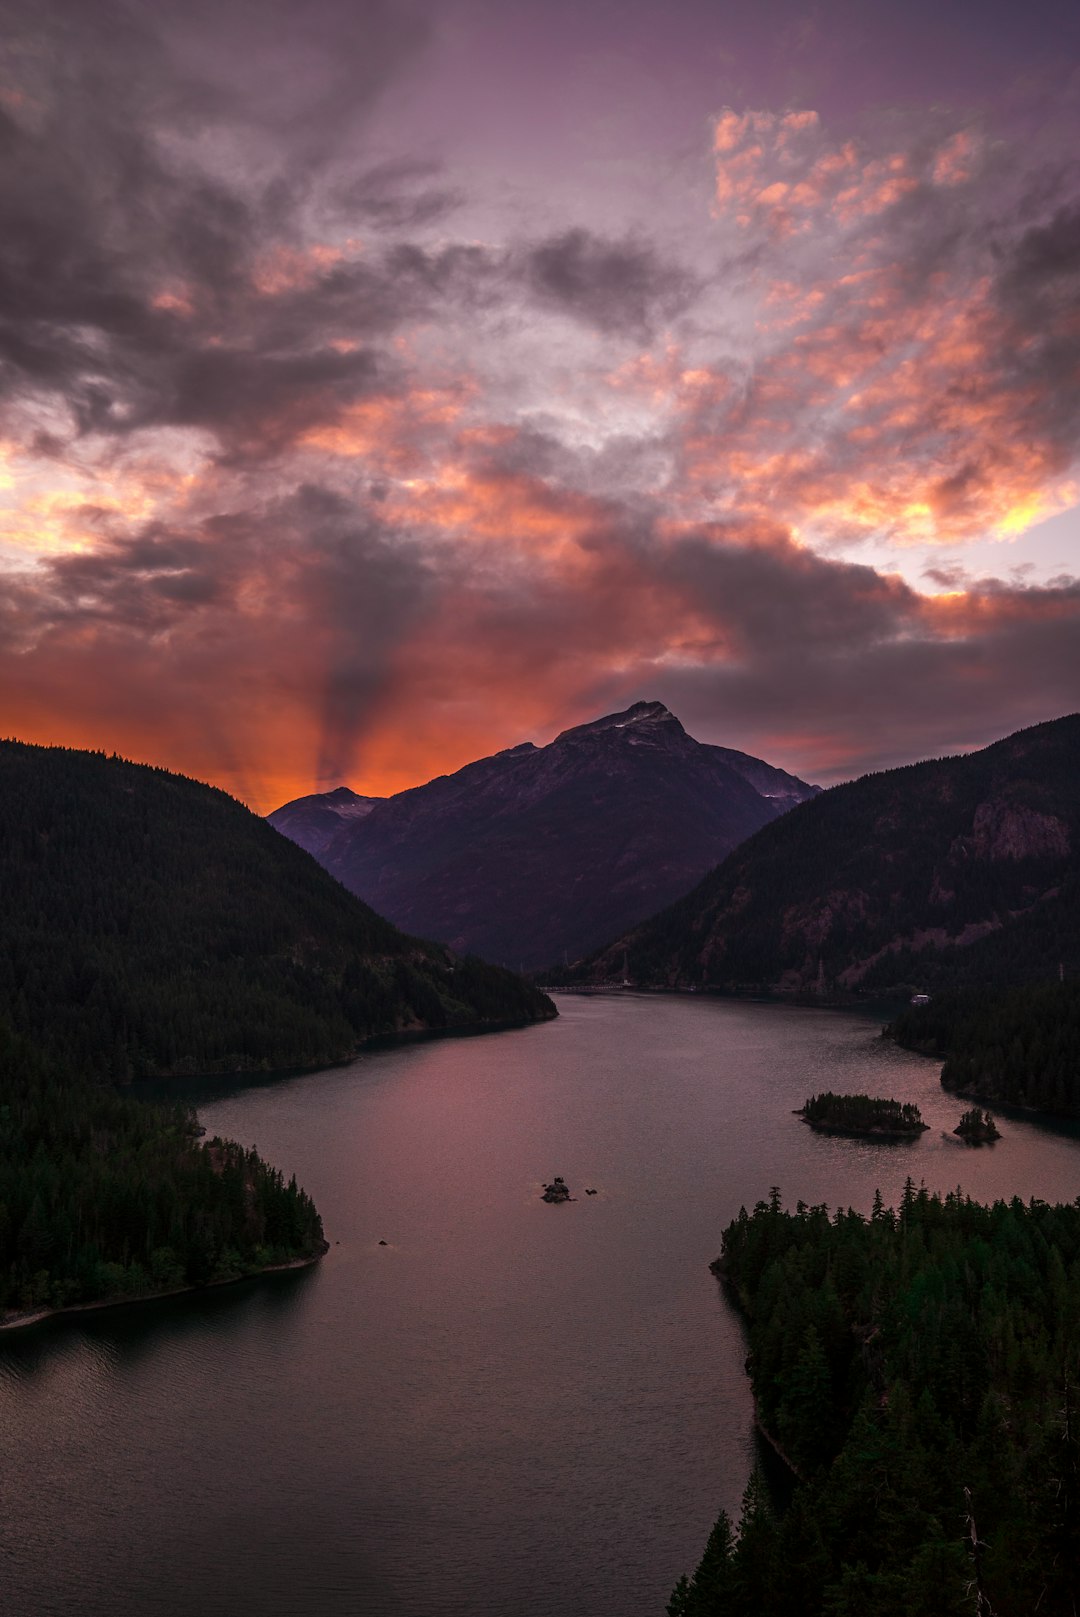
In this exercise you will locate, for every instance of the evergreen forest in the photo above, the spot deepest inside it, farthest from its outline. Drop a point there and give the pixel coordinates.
(919, 1370)
(977, 1127)
(862, 1114)
(152, 926)
(1018, 1046)
(103, 1196)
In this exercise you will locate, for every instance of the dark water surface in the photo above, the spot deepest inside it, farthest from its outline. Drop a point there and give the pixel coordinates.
(510, 1408)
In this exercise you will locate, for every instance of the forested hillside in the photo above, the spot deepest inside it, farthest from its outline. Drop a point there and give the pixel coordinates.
(151, 925)
(958, 870)
(1019, 1047)
(921, 1370)
(105, 1196)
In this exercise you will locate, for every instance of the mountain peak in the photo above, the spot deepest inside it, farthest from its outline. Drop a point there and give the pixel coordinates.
(538, 854)
(640, 714)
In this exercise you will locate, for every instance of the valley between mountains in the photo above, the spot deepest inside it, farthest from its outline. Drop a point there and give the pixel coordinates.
(153, 928)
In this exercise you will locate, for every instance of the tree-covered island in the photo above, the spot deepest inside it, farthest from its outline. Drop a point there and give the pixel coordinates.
(920, 1369)
(869, 1115)
(977, 1127)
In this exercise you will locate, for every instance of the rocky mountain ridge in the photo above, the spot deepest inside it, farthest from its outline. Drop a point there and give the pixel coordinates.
(536, 854)
(314, 821)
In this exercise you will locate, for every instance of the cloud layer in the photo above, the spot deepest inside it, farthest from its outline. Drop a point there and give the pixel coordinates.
(315, 464)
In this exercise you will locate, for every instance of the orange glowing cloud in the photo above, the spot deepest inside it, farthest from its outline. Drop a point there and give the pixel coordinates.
(297, 269)
(881, 402)
(393, 433)
(280, 506)
(776, 170)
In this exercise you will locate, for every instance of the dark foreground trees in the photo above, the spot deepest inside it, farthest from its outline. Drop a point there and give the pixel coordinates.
(921, 1371)
(104, 1196)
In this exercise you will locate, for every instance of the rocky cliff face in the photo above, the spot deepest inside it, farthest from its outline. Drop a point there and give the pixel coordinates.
(538, 854)
(960, 869)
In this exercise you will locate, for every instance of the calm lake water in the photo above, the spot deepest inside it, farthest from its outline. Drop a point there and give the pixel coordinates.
(510, 1408)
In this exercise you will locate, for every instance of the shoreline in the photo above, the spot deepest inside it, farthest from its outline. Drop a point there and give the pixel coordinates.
(39, 1316)
(872, 1003)
(891, 1135)
(718, 1267)
(373, 1041)
(1007, 1108)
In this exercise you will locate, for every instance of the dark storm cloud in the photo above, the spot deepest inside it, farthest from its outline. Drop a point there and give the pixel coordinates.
(313, 601)
(146, 584)
(258, 404)
(195, 235)
(157, 176)
(310, 594)
(365, 594)
(617, 286)
(1038, 293)
(844, 670)
(151, 166)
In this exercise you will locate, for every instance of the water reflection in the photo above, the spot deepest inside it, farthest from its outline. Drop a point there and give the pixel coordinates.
(509, 1404)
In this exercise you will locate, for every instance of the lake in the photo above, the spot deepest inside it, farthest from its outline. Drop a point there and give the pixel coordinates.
(510, 1407)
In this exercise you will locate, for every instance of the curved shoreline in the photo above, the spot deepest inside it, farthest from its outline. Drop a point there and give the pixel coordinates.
(371, 1041)
(22, 1322)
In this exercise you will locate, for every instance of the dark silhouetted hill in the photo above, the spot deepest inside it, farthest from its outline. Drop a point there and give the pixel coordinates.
(151, 925)
(956, 871)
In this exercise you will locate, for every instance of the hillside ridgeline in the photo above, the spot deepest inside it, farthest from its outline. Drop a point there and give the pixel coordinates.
(956, 871)
(153, 926)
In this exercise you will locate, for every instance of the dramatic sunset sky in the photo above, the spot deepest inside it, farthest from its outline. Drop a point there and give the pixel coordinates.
(382, 384)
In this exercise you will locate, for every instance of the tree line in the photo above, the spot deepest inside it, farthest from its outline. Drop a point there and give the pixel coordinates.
(105, 1196)
(920, 1371)
(862, 1114)
(1018, 1046)
(151, 925)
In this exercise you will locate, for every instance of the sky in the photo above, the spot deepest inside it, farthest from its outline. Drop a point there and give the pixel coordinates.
(385, 384)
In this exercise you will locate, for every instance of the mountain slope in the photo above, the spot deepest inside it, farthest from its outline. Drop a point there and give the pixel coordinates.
(314, 821)
(151, 924)
(543, 852)
(955, 870)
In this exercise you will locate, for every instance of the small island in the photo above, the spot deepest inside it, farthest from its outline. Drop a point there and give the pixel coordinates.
(977, 1127)
(867, 1116)
(557, 1191)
